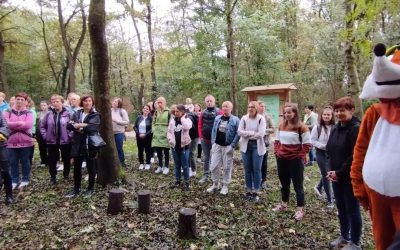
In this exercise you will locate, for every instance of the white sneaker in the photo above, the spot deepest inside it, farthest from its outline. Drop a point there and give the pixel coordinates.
(158, 170)
(213, 188)
(84, 164)
(141, 166)
(165, 170)
(152, 160)
(147, 167)
(193, 174)
(60, 166)
(14, 185)
(23, 184)
(224, 190)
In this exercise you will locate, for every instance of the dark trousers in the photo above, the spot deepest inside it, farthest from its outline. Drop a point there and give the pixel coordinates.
(31, 154)
(5, 174)
(264, 168)
(53, 157)
(43, 152)
(348, 211)
(199, 149)
(91, 167)
(291, 170)
(144, 145)
(323, 168)
(160, 152)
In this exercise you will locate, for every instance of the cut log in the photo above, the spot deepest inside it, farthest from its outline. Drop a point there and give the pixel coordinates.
(187, 223)
(115, 200)
(144, 201)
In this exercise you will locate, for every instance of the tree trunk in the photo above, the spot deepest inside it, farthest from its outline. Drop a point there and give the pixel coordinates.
(3, 80)
(230, 6)
(353, 83)
(152, 52)
(71, 76)
(108, 163)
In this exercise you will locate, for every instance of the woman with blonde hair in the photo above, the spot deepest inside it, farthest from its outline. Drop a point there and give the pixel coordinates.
(252, 146)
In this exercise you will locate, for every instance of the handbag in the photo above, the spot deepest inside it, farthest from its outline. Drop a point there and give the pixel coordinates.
(96, 141)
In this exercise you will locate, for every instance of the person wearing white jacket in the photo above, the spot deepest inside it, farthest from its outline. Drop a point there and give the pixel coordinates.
(252, 146)
(319, 138)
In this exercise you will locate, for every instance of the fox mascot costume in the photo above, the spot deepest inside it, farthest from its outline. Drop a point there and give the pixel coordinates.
(375, 171)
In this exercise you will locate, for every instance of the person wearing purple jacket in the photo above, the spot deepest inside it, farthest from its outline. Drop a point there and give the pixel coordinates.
(20, 123)
(53, 129)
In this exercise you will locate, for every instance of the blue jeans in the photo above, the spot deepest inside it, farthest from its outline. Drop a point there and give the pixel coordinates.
(348, 211)
(119, 143)
(252, 167)
(311, 155)
(323, 168)
(181, 160)
(16, 156)
(206, 146)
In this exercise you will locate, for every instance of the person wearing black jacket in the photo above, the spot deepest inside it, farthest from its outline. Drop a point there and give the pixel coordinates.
(84, 122)
(339, 148)
(4, 167)
(143, 125)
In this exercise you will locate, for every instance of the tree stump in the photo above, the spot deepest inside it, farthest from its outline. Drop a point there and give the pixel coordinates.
(115, 199)
(144, 201)
(187, 223)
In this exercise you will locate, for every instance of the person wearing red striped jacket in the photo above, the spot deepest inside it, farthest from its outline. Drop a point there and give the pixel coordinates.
(292, 143)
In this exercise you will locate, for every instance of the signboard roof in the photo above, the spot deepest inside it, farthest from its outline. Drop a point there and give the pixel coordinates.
(270, 87)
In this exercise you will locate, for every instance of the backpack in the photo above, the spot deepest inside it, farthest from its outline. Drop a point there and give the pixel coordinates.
(193, 132)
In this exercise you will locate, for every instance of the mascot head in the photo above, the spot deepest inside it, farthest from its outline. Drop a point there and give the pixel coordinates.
(384, 81)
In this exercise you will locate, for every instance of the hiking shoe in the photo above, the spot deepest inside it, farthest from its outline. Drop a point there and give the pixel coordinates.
(203, 180)
(351, 246)
(299, 215)
(213, 188)
(72, 193)
(151, 160)
(224, 190)
(53, 181)
(248, 196)
(158, 170)
(88, 193)
(338, 243)
(177, 184)
(165, 170)
(24, 184)
(330, 205)
(280, 208)
(141, 166)
(9, 200)
(317, 191)
(255, 198)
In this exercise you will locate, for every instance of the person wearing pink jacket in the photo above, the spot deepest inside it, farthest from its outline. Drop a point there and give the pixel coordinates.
(20, 122)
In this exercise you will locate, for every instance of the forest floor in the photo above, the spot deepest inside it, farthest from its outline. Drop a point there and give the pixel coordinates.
(43, 218)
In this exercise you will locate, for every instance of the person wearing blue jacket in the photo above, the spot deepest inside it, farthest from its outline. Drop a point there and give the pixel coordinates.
(224, 138)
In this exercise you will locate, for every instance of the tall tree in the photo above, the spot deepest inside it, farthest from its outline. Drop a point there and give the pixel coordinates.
(72, 53)
(152, 52)
(108, 163)
(3, 79)
(229, 8)
(130, 8)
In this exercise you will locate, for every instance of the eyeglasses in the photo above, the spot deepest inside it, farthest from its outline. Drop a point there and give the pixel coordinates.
(251, 107)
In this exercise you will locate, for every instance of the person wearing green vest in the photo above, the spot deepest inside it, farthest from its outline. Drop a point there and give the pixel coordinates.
(160, 142)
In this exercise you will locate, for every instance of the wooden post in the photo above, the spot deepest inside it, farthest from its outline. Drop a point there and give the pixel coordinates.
(187, 223)
(144, 201)
(115, 199)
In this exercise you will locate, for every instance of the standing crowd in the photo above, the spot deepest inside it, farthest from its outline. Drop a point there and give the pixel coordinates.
(63, 130)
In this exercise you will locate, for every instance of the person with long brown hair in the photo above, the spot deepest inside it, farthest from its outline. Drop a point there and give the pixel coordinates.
(292, 144)
(319, 138)
(252, 146)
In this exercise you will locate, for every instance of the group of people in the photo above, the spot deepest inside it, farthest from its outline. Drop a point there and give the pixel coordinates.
(63, 129)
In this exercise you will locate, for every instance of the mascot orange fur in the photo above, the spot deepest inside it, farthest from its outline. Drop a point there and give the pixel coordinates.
(375, 171)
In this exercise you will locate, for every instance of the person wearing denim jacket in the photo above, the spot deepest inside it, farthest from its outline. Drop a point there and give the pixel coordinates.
(53, 128)
(20, 123)
(224, 138)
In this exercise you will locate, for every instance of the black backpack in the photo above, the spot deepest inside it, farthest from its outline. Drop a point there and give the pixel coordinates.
(193, 132)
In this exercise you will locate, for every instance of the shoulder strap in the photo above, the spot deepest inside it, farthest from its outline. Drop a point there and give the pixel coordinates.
(300, 137)
(319, 128)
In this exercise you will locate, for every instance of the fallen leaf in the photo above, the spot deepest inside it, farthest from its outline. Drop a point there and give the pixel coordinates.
(222, 226)
(292, 231)
(87, 229)
(232, 205)
(96, 216)
(22, 221)
(193, 247)
(131, 225)
(92, 207)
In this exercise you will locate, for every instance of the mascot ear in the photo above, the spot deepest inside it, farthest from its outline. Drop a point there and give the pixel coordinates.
(380, 49)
